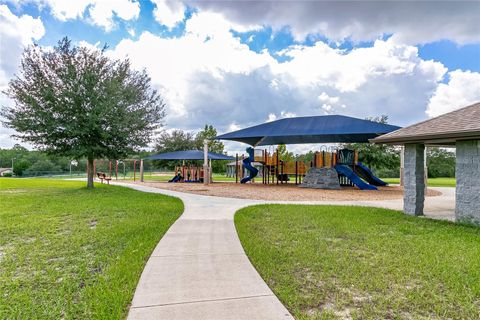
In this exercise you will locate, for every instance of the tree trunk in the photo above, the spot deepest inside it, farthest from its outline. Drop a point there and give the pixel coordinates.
(90, 173)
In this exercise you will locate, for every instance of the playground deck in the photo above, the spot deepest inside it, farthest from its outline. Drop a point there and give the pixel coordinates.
(283, 192)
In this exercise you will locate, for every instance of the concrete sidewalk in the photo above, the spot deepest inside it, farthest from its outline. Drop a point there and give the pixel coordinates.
(199, 269)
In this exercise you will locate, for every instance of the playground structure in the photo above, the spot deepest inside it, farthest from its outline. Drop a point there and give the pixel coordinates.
(307, 130)
(188, 173)
(275, 170)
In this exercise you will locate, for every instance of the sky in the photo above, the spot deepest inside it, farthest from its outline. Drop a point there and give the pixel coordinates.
(234, 64)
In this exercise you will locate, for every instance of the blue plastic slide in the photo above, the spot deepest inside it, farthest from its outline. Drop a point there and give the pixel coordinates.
(348, 172)
(247, 164)
(177, 178)
(367, 174)
(253, 171)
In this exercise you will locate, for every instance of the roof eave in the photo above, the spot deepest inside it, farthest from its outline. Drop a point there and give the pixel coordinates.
(449, 137)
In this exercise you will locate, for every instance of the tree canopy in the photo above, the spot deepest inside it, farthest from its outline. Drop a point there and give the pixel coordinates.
(383, 159)
(175, 140)
(179, 140)
(209, 133)
(77, 102)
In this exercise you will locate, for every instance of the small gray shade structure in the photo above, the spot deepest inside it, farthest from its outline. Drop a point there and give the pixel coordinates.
(460, 128)
(316, 129)
(188, 155)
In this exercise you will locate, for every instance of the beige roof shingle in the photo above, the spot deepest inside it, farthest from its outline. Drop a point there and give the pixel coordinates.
(462, 124)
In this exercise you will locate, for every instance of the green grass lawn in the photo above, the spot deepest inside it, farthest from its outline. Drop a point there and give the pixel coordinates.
(432, 182)
(327, 262)
(71, 253)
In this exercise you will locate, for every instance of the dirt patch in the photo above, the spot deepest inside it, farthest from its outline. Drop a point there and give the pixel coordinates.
(285, 192)
(14, 191)
(93, 224)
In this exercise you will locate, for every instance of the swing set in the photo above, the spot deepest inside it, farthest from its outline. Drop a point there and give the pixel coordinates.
(107, 170)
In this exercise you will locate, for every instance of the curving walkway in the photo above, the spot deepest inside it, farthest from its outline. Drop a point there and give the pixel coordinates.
(199, 269)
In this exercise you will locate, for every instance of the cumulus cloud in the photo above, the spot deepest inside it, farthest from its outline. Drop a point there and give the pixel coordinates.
(207, 48)
(169, 13)
(102, 12)
(209, 76)
(97, 12)
(411, 22)
(15, 34)
(323, 65)
(283, 114)
(462, 89)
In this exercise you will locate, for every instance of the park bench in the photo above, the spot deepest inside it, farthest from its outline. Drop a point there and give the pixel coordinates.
(102, 176)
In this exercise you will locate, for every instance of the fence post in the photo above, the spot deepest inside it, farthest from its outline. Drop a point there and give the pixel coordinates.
(236, 168)
(134, 170)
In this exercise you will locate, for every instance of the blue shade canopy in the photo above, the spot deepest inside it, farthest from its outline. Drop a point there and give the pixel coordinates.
(317, 129)
(188, 155)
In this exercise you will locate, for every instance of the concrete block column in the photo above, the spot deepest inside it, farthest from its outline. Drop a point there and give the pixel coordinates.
(467, 172)
(402, 163)
(414, 179)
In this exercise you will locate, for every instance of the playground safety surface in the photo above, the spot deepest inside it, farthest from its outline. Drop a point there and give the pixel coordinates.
(283, 192)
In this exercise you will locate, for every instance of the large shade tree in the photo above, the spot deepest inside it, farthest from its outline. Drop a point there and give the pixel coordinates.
(176, 140)
(77, 102)
(379, 157)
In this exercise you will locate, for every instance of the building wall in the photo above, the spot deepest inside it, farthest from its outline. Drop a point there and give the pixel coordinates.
(467, 174)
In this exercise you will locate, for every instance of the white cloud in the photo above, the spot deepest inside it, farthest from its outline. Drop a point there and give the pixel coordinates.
(462, 89)
(324, 66)
(131, 32)
(209, 76)
(65, 10)
(410, 21)
(324, 97)
(271, 117)
(95, 46)
(169, 13)
(97, 12)
(173, 64)
(102, 12)
(283, 114)
(234, 127)
(15, 34)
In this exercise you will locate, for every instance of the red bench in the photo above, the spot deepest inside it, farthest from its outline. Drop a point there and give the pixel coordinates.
(102, 176)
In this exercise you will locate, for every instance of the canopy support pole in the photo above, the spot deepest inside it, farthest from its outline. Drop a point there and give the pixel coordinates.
(206, 171)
